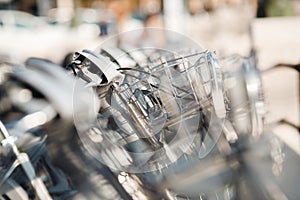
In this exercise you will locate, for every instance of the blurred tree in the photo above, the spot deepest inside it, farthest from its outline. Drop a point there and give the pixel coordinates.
(276, 8)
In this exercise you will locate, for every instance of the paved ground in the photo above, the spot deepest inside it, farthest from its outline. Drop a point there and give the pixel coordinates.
(278, 41)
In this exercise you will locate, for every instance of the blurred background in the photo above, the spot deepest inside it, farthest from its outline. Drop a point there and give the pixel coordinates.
(52, 29)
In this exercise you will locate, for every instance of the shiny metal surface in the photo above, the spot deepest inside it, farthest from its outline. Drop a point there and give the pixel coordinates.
(181, 124)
